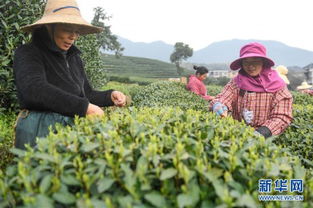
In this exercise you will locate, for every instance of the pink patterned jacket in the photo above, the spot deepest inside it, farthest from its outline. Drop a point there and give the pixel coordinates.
(272, 110)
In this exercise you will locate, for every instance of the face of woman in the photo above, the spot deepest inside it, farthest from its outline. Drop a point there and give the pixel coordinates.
(252, 66)
(65, 35)
(202, 77)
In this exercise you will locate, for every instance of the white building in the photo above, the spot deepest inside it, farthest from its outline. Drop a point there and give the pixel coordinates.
(222, 73)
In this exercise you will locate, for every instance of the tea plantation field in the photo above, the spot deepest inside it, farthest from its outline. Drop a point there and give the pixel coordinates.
(165, 150)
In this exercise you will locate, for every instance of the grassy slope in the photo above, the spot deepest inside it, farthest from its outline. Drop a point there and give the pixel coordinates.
(138, 67)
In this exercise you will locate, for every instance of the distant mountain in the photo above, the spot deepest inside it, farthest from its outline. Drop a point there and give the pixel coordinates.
(219, 52)
(227, 51)
(155, 50)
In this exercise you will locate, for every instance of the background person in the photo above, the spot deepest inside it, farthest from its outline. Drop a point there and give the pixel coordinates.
(196, 85)
(257, 94)
(282, 72)
(49, 74)
(305, 88)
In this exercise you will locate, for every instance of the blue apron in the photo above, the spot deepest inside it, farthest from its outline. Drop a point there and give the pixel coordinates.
(32, 124)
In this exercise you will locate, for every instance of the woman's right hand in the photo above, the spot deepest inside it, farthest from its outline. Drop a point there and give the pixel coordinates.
(94, 110)
(220, 109)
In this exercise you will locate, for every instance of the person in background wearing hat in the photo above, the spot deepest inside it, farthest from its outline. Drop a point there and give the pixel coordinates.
(196, 85)
(305, 88)
(49, 74)
(282, 72)
(257, 94)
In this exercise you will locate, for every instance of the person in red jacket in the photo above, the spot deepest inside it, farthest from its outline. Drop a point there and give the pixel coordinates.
(196, 85)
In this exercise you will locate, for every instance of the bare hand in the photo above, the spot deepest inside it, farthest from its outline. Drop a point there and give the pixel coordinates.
(118, 98)
(212, 98)
(94, 110)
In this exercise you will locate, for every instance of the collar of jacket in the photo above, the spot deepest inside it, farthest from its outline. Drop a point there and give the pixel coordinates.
(42, 39)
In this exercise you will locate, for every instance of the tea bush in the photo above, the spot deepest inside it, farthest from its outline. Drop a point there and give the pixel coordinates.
(298, 137)
(6, 138)
(214, 90)
(13, 15)
(301, 98)
(149, 157)
(167, 93)
(127, 89)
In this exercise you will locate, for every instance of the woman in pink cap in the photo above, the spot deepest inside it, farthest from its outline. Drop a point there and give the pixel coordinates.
(257, 94)
(196, 85)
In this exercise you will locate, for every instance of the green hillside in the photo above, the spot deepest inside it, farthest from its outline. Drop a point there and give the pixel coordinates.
(128, 66)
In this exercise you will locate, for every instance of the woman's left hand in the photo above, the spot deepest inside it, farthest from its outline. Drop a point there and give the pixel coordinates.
(118, 98)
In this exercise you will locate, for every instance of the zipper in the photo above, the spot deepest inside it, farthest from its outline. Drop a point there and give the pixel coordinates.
(67, 65)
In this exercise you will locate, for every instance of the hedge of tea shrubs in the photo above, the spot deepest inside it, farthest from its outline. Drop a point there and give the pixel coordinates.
(149, 157)
(165, 151)
(298, 137)
(302, 98)
(165, 93)
(6, 134)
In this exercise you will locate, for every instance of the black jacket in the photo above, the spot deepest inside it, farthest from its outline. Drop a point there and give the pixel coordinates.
(48, 80)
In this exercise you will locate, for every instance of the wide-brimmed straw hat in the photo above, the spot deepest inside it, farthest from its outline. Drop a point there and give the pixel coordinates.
(304, 85)
(282, 71)
(252, 50)
(66, 12)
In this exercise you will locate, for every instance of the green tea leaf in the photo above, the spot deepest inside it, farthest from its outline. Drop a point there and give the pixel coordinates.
(89, 147)
(156, 199)
(18, 152)
(44, 156)
(70, 180)
(184, 200)
(104, 184)
(64, 197)
(43, 201)
(45, 183)
(168, 173)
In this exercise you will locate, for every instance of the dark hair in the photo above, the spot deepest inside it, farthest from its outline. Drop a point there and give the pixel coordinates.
(200, 70)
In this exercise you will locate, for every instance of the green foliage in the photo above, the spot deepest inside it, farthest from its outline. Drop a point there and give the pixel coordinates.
(298, 137)
(167, 93)
(107, 40)
(127, 89)
(181, 52)
(6, 138)
(214, 90)
(90, 46)
(160, 157)
(301, 98)
(133, 80)
(13, 15)
(221, 81)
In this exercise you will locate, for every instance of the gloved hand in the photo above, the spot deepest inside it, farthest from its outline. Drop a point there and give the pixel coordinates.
(220, 109)
(247, 116)
(258, 134)
(264, 131)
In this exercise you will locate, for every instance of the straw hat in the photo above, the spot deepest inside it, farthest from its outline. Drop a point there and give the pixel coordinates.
(66, 12)
(282, 71)
(304, 85)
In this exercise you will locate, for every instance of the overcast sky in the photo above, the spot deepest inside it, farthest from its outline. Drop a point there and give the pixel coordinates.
(202, 22)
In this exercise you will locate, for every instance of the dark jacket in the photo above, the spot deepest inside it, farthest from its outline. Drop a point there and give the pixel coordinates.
(49, 80)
